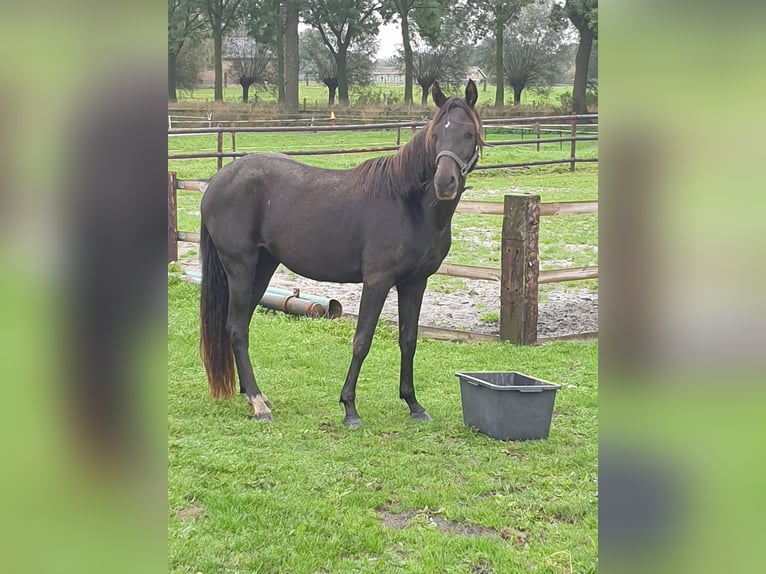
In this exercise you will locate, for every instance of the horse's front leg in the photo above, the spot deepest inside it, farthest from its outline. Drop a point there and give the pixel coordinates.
(373, 297)
(410, 300)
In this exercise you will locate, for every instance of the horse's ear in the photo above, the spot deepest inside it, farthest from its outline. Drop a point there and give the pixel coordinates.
(439, 97)
(471, 93)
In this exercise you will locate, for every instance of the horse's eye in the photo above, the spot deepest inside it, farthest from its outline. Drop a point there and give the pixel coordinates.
(468, 135)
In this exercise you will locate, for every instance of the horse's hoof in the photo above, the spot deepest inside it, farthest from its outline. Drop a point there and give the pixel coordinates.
(353, 423)
(262, 417)
(422, 417)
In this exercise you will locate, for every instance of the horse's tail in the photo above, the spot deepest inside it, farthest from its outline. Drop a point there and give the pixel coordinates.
(215, 345)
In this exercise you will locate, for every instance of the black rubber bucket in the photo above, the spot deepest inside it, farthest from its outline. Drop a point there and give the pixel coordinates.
(507, 405)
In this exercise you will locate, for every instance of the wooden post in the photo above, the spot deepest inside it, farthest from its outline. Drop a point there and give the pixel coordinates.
(220, 147)
(520, 268)
(537, 134)
(172, 218)
(233, 140)
(574, 145)
(398, 136)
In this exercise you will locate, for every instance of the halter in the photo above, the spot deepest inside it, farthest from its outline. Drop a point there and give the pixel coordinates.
(465, 167)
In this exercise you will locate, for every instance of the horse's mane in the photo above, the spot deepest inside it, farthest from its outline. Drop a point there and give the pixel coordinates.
(411, 168)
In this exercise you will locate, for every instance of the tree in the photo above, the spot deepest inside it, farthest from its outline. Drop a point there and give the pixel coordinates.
(184, 26)
(251, 61)
(220, 14)
(427, 17)
(341, 23)
(444, 63)
(533, 53)
(493, 16)
(318, 61)
(291, 56)
(584, 15)
(192, 60)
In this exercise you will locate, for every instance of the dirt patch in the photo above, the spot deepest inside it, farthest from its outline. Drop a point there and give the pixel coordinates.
(564, 311)
(398, 521)
(190, 512)
(517, 537)
(482, 567)
(404, 519)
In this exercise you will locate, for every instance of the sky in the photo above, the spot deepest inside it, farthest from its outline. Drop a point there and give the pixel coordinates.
(389, 40)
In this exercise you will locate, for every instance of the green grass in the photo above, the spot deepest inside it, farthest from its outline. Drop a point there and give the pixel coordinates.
(304, 495)
(316, 95)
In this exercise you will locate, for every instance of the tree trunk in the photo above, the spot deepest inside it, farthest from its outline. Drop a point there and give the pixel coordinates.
(499, 72)
(340, 60)
(280, 52)
(245, 91)
(172, 63)
(332, 86)
(291, 56)
(517, 95)
(424, 97)
(218, 65)
(407, 46)
(581, 71)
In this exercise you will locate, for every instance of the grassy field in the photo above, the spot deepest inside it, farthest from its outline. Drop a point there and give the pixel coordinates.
(305, 495)
(316, 95)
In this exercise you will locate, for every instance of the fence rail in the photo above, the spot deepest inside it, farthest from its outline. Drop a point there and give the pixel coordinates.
(570, 126)
(519, 275)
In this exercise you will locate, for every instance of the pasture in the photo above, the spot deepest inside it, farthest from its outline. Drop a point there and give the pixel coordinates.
(316, 95)
(306, 495)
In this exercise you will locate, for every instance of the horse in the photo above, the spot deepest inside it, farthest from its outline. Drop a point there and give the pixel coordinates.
(385, 223)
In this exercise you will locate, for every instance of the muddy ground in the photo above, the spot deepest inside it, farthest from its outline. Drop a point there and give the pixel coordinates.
(561, 311)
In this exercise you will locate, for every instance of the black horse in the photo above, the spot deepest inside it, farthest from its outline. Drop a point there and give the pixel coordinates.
(385, 223)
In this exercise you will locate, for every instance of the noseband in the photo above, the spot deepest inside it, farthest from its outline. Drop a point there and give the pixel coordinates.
(465, 167)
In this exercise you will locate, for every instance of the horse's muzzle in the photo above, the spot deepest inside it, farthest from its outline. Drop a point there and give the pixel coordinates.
(446, 184)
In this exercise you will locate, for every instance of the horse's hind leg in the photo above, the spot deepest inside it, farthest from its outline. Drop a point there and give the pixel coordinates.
(410, 300)
(241, 274)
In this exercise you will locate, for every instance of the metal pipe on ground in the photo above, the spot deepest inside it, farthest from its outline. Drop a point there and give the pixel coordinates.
(292, 302)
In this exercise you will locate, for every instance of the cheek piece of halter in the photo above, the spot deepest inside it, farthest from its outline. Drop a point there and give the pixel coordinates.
(465, 167)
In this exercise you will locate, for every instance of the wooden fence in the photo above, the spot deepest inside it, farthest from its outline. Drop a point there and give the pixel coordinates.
(562, 124)
(519, 275)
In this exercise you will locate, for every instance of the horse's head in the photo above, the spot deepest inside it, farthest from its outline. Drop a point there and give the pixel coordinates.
(455, 135)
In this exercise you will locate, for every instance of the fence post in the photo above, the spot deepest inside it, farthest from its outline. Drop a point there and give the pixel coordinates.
(172, 218)
(520, 268)
(537, 134)
(398, 136)
(574, 145)
(220, 147)
(233, 141)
